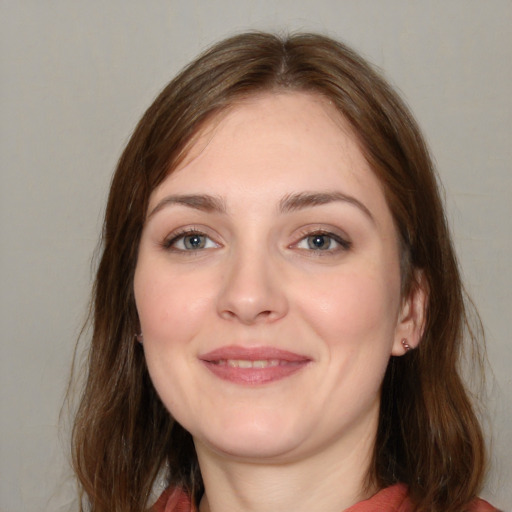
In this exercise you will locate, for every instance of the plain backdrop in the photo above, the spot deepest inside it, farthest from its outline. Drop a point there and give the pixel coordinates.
(75, 78)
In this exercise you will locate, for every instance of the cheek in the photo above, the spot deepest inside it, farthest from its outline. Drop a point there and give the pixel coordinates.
(353, 307)
(171, 308)
(170, 305)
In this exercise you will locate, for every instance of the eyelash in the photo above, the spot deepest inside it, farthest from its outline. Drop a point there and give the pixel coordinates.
(170, 242)
(342, 244)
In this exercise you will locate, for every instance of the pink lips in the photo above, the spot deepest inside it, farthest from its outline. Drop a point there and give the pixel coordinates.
(256, 365)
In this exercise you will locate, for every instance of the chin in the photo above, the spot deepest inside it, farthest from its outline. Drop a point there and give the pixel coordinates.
(256, 440)
(251, 449)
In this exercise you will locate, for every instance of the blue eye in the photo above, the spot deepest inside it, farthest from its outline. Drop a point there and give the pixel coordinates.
(320, 242)
(323, 242)
(190, 241)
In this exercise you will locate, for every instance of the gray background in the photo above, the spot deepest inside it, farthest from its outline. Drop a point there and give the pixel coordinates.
(75, 78)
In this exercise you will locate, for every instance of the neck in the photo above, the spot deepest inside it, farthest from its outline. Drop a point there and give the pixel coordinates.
(332, 479)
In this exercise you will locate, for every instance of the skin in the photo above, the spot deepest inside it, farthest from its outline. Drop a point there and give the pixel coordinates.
(259, 280)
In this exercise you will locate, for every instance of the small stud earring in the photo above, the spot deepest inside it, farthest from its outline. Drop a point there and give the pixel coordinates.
(406, 345)
(139, 338)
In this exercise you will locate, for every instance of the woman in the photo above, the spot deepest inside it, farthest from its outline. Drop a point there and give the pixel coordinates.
(278, 313)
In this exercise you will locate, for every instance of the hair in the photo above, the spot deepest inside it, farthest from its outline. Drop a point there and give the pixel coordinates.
(428, 434)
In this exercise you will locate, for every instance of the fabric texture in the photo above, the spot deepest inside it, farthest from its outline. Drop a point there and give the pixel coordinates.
(391, 499)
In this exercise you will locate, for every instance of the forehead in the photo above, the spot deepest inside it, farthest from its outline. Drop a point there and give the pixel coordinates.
(272, 143)
(302, 116)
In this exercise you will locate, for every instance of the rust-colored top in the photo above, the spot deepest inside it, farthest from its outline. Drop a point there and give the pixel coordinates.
(391, 499)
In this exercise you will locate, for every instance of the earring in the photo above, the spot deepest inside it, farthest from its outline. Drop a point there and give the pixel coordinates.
(139, 338)
(406, 345)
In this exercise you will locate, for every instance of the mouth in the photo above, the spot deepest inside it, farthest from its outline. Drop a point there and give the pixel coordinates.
(253, 366)
(246, 363)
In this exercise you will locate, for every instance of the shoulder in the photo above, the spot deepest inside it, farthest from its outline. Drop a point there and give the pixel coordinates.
(396, 499)
(391, 499)
(173, 500)
(479, 505)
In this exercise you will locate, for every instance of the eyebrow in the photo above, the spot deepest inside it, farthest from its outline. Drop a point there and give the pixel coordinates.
(303, 200)
(202, 202)
(290, 203)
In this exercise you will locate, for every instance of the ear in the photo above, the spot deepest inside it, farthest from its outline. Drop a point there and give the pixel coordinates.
(412, 316)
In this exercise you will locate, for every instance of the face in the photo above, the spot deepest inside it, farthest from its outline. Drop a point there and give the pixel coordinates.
(268, 284)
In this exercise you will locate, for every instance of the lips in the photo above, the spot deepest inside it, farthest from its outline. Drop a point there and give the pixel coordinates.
(254, 365)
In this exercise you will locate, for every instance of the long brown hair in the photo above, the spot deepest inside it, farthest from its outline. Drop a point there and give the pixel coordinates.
(428, 434)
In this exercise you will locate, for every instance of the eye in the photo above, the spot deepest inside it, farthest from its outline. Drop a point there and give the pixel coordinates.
(323, 241)
(189, 241)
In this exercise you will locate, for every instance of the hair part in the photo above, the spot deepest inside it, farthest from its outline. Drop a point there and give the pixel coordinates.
(428, 434)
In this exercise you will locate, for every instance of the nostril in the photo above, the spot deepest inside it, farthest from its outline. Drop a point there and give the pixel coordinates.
(251, 299)
(229, 314)
(246, 317)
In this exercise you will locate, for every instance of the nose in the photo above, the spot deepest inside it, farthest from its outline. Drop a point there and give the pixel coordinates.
(253, 290)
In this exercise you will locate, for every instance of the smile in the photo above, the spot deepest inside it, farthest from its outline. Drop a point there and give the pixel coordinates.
(253, 366)
(245, 363)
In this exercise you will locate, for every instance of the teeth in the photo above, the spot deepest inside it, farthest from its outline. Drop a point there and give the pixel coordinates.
(244, 363)
(240, 363)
